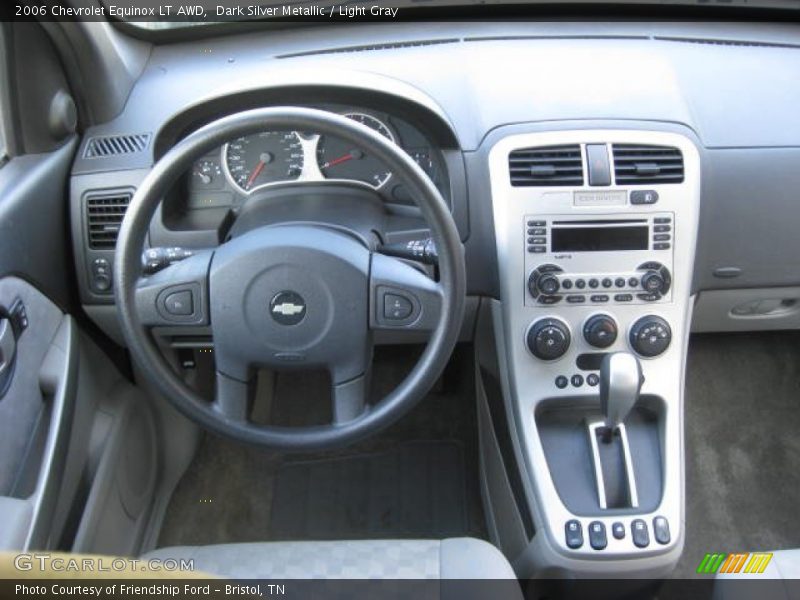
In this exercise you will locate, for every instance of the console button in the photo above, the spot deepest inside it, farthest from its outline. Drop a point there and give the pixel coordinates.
(649, 297)
(576, 299)
(537, 231)
(600, 298)
(597, 535)
(653, 282)
(662, 228)
(541, 240)
(641, 537)
(536, 249)
(179, 303)
(661, 246)
(574, 534)
(549, 299)
(644, 197)
(561, 382)
(536, 223)
(661, 530)
(662, 237)
(623, 298)
(593, 283)
(396, 307)
(567, 284)
(577, 380)
(598, 163)
(662, 220)
(607, 283)
(593, 379)
(619, 282)
(633, 282)
(618, 530)
(580, 284)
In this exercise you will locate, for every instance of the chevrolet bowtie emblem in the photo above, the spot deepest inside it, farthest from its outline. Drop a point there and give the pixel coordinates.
(287, 308)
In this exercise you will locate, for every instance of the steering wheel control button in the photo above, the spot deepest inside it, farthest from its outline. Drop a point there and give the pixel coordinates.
(641, 537)
(574, 534)
(561, 382)
(618, 530)
(661, 530)
(396, 307)
(548, 339)
(597, 535)
(644, 197)
(287, 307)
(180, 303)
(650, 336)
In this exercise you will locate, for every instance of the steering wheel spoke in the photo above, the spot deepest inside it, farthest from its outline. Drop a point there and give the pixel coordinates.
(233, 397)
(401, 297)
(350, 399)
(177, 295)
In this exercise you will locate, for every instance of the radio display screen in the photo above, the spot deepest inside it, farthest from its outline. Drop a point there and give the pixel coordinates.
(599, 239)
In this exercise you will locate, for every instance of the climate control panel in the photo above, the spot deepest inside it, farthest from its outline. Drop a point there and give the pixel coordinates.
(550, 284)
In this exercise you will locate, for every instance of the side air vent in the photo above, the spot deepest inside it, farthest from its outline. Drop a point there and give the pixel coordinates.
(104, 214)
(636, 164)
(546, 165)
(114, 145)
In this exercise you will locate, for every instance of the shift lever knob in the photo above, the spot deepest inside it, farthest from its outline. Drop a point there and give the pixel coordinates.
(620, 381)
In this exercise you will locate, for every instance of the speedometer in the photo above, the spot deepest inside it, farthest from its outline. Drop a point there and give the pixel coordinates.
(260, 159)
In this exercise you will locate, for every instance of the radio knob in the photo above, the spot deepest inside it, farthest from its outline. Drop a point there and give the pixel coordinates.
(548, 339)
(600, 331)
(548, 284)
(653, 282)
(650, 336)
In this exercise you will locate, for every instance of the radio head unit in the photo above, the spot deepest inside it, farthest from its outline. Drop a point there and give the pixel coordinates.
(596, 259)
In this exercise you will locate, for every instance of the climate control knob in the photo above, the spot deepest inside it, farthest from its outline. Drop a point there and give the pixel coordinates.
(650, 336)
(548, 339)
(600, 331)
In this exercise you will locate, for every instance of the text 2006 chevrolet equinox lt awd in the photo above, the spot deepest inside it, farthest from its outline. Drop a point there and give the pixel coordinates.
(439, 299)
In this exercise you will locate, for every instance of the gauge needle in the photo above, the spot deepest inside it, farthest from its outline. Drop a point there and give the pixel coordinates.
(256, 172)
(351, 155)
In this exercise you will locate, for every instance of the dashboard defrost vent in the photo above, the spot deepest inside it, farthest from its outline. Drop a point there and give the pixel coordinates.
(371, 47)
(546, 165)
(104, 214)
(637, 164)
(728, 42)
(114, 145)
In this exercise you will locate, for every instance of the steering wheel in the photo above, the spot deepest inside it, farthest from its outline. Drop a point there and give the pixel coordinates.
(290, 296)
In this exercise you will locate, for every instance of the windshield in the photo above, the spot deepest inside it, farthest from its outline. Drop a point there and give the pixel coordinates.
(154, 15)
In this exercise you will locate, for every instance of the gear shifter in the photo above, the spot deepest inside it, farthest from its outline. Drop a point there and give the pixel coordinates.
(620, 382)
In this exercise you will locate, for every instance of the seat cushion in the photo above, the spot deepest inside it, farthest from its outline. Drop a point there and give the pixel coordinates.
(456, 558)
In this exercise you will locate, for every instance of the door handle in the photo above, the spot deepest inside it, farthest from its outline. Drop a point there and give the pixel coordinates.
(8, 354)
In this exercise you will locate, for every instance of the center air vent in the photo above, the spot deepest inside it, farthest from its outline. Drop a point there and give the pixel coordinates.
(114, 145)
(546, 165)
(104, 216)
(637, 164)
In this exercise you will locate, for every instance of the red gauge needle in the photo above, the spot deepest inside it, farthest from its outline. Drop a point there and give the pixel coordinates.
(337, 161)
(256, 172)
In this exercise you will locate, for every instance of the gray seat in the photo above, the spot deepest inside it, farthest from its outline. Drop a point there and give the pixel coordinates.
(779, 581)
(455, 558)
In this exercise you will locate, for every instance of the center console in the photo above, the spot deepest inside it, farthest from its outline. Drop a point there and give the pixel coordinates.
(595, 233)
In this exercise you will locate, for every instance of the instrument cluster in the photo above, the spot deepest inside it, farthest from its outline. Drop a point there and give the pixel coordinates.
(250, 164)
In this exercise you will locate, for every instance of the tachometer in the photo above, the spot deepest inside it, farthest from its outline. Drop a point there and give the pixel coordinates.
(338, 159)
(257, 160)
